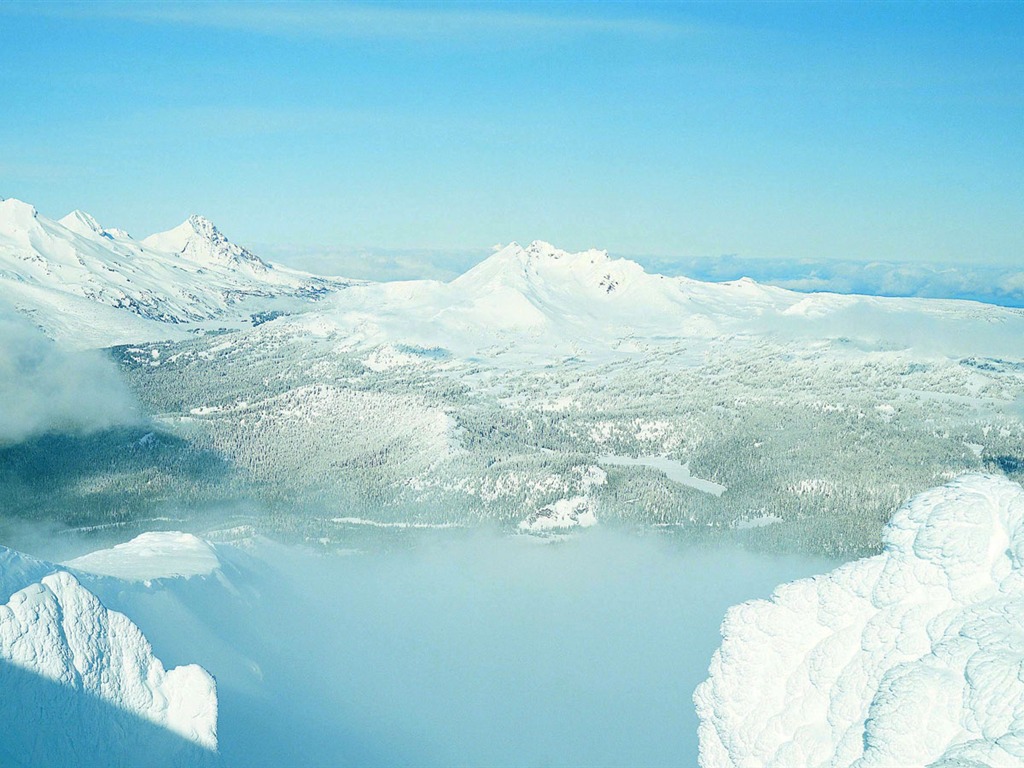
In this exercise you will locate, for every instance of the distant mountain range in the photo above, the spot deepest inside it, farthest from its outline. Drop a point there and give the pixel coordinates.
(69, 275)
(974, 280)
(543, 301)
(96, 286)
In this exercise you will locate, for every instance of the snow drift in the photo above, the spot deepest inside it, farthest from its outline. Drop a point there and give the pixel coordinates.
(82, 683)
(912, 657)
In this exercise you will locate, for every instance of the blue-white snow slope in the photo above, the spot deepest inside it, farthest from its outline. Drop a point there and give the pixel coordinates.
(909, 658)
(81, 686)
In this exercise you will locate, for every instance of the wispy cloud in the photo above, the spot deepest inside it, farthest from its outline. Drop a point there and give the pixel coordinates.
(44, 387)
(420, 21)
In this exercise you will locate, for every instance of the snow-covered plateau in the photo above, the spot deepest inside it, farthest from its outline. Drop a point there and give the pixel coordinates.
(911, 657)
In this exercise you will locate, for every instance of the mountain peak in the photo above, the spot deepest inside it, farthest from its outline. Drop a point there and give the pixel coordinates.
(542, 248)
(198, 239)
(173, 240)
(203, 227)
(81, 222)
(16, 213)
(525, 269)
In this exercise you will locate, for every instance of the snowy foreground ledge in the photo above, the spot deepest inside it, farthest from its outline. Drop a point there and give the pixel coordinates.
(914, 657)
(85, 680)
(151, 556)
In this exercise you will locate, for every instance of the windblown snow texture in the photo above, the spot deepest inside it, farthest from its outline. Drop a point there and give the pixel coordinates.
(81, 685)
(912, 657)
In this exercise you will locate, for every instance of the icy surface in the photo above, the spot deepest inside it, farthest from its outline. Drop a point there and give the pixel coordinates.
(675, 471)
(912, 657)
(150, 556)
(58, 630)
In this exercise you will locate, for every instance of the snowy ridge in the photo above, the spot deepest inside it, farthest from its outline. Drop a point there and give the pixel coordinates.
(65, 273)
(103, 677)
(59, 630)
(911, 657)
(18, 569)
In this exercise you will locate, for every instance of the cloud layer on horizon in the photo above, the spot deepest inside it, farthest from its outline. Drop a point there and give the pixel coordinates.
(991, 284)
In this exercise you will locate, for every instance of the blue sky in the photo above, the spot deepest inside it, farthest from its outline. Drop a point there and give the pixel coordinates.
(853, 131)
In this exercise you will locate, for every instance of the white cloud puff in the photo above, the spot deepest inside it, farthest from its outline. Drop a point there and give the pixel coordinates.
(44, 387)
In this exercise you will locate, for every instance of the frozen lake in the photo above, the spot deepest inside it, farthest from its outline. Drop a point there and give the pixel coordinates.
(672, 469)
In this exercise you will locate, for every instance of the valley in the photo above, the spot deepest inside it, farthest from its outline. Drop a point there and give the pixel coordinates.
(259, 443)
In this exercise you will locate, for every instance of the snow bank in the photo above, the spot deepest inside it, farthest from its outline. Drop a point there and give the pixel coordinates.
(912, 657)
(149, 556)
(59, 631)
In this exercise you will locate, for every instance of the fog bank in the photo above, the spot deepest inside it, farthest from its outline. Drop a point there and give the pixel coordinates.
(44, 387)
(471, 650)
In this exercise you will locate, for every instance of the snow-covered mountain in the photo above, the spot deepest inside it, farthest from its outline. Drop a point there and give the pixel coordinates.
(96, 286)
(908, 658)
(82, 681)
(69, 275)
(543, 300)
(539, 296)
(197, 239)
